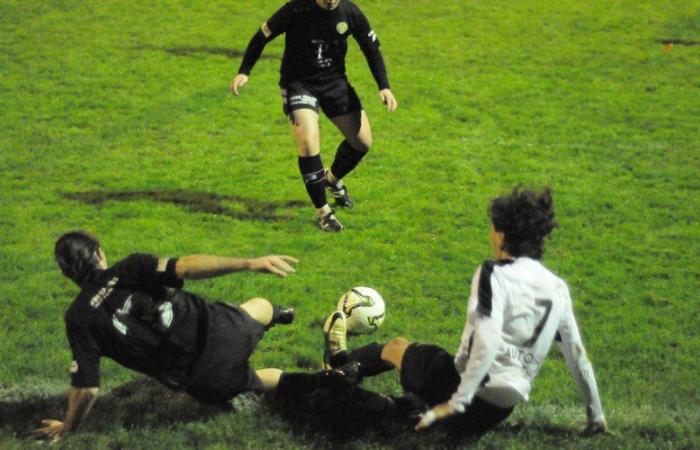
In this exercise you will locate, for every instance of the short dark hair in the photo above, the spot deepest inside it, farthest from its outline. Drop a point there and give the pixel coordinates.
(525, 218)
(76, 254)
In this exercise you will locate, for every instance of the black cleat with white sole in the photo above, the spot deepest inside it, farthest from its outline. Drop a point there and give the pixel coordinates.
(328, 222)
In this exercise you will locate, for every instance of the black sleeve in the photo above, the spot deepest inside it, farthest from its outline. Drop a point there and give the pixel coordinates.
(253, 52)
(367, 39)
(278, 24)
(85, 368)
(378, 68)
(280, 21)
(144, 271)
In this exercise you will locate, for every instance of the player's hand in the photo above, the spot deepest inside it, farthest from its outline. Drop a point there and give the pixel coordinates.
(388, 99)
(598, 427)
(238, 82)
(439, 412)
(53, 429)
(277, 264)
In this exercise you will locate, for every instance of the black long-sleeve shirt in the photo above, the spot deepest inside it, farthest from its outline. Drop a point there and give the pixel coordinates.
(145, 289)
(316, 42)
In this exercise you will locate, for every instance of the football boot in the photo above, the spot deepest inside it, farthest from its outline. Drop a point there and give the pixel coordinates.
(335, 335)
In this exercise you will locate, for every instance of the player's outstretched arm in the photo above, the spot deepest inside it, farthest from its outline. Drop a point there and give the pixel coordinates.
(195, 267)
(250, 57)
(581, 370)
(80, 401)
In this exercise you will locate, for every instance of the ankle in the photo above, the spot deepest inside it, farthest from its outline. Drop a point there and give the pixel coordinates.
(332, 179)
(323, 210)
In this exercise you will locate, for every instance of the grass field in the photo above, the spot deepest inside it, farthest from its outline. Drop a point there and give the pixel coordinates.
(115, 117)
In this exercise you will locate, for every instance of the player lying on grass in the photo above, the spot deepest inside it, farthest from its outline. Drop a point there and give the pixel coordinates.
(137, 314)
(516, 308)
(313, 78)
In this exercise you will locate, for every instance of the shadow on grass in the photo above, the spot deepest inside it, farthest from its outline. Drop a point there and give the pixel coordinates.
(339, 419)
(686, 42)
(138, 403)
(198, 202)
(187, 50)
(330, 418)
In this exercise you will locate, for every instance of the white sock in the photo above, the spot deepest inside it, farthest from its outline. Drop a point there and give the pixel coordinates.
(323, 210)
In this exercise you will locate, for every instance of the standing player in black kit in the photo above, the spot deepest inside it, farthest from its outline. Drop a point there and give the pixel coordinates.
(312, 78)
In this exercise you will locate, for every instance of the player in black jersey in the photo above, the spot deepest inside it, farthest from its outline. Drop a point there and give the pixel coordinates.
(137, 314)
(313, 78)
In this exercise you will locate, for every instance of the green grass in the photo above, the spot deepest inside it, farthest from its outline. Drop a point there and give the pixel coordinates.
(102, 99)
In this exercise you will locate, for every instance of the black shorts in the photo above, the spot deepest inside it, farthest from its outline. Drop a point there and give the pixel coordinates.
(222, 371)
(429, 372)
(334, 98)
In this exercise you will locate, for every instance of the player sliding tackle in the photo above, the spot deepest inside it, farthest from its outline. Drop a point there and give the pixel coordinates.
(313, 78)
(137, 314)
(516, 309)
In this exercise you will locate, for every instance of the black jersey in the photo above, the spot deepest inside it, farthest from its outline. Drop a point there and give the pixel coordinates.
(316, 39)
(126, 312)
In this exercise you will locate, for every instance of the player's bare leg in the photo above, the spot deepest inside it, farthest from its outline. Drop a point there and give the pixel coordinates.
(304, 126)
(358, 140)
(356, 130)
(264, 312)
(394, 350)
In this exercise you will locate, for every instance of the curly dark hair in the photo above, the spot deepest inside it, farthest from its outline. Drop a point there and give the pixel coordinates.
(526, 218)
(76, 254)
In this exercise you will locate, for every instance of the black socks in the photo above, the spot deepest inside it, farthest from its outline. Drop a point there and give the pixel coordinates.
(369, 357)
(346, 159)
(281, 315)
(298, 383)
(305, 383)
(311, 169)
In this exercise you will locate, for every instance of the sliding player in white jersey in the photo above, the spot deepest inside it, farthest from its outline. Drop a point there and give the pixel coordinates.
(516, 309)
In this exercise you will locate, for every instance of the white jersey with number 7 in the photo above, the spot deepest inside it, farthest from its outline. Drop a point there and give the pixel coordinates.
(517, 307)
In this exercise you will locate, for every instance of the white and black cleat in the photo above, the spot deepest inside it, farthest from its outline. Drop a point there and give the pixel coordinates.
(328, 222)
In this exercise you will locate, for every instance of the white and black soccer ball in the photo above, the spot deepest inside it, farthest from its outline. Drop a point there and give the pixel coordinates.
(364, 308)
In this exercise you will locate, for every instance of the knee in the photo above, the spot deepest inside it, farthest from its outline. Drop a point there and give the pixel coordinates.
(258, 308)
(361, 144)
(394, 350)
(398, 343)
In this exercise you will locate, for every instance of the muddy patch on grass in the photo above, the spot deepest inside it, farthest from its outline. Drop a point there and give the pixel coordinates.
(232, 206)
(194, 50)
(138, 403)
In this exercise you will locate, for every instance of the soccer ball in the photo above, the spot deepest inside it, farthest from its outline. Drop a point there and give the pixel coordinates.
(364, 308)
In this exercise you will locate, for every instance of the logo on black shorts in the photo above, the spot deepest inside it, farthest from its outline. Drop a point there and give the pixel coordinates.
(341, 28)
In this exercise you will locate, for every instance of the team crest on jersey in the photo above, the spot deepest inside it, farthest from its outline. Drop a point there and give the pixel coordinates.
(342, 27)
